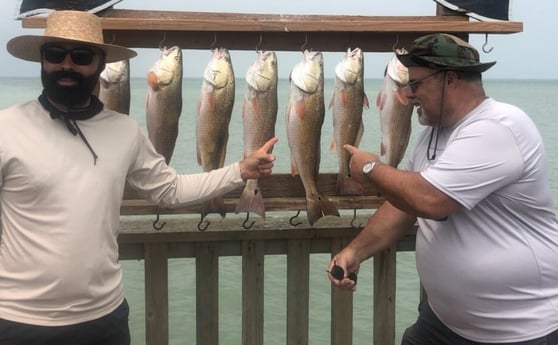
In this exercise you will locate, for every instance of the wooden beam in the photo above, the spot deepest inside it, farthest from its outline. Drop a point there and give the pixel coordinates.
(201, 30)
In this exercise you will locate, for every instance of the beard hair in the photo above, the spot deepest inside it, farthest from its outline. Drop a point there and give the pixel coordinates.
(71, 96)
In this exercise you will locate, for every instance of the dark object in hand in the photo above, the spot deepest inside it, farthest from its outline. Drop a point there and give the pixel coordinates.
(338, 273)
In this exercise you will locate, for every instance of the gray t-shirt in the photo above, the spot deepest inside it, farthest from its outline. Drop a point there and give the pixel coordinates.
(491, 269)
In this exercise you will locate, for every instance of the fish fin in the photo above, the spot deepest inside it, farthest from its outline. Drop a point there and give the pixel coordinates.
(333, 145)
(153, 80)
(319, 206)
(344, 98)
(348, 186)
(294, 168)
(299, 109)
(251, 199)
(365, 102)
(332, 102)
(401, 97)
(380, 100)
(382, 149)
(359, 135)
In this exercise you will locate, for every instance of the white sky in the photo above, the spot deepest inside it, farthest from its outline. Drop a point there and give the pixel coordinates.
(530, 54)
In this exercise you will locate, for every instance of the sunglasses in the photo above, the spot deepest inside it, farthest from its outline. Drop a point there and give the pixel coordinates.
(414, 84)
(80, 55)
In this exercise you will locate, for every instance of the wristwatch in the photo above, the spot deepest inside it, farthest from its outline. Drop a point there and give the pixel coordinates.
(368, 167)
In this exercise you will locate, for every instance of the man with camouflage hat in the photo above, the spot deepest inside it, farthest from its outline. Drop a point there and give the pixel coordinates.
(477, 184)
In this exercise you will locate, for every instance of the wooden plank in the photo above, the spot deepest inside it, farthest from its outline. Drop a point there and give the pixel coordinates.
(207, 294)
(156, 294)
(252, 292)
(384, 297)
(341, 306)
(202, 30)
(298, 290)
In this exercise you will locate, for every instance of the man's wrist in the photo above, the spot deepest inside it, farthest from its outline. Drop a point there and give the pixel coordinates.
(368, 166)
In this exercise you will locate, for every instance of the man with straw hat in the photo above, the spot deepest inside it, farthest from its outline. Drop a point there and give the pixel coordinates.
(64, 161)
(477, 185)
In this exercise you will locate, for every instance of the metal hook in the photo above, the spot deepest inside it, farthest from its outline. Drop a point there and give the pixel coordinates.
(484, 49)
(394, 47)
(203, 224)
(156, 226)
(305, 42)
(259, 43)
(245, 224)
(291, 220)
(212, 45)
(163, 41)
(353, 221)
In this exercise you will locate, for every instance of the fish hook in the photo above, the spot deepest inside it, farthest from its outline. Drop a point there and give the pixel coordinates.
(156, 226)
(291, 220)
(394, 47)
(484, 49)
(203, 224)
(259, 43)
(353, 221)
(305, 42)
(163, 41)
(212, 45)
(245, 224)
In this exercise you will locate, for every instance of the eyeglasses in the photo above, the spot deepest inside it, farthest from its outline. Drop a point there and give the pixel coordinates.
(80, 55)
(414, 84)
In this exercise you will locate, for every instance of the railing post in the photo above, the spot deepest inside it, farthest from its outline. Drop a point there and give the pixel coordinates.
(252, 292)
(207, 294)
(156, 294)
(384, 296)
(298, 289)
(341, 306)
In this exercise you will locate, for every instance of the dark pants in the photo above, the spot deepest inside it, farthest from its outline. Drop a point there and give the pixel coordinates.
(429, 330)
(111, 329)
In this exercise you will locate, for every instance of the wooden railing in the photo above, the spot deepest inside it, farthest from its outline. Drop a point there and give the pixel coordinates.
(180, 238)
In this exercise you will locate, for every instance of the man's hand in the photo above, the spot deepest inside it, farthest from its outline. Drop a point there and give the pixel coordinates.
(259, 163)
(358, 158)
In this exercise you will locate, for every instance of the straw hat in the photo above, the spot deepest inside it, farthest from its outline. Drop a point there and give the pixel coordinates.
(68, 26)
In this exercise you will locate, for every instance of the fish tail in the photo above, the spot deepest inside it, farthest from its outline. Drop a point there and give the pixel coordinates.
(348, 186)
(319, 206)
(251, 199)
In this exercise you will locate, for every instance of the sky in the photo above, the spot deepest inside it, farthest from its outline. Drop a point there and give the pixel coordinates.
(525, 55)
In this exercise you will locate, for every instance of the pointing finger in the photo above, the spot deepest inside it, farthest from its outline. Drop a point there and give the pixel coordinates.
(269, 144)
(351, 149)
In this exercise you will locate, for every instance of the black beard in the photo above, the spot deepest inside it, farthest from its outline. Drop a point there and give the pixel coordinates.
(71, 96)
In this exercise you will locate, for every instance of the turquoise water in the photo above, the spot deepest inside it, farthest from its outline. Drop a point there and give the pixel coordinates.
(538, 98)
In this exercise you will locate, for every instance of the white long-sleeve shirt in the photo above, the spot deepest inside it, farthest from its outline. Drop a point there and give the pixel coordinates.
(61, 212)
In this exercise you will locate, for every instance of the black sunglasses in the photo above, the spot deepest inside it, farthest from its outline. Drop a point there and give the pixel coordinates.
(414, 84)
(80, 55)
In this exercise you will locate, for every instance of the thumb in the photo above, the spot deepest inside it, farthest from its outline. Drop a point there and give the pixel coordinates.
(269, 144)
(349, 148)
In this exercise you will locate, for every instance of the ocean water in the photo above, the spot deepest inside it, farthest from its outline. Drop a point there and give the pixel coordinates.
(539, 98)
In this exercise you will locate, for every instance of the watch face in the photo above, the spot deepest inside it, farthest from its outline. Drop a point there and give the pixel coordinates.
(367, 167)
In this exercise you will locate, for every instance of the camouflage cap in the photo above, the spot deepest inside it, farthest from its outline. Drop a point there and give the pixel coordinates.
(444, 51)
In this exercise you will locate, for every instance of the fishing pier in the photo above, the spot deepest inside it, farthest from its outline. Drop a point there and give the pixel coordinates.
(283, 193)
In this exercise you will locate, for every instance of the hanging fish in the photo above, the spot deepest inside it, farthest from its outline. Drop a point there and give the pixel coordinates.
(114, 86)
(347, 105)
(305, 116)
(259, 114)
(215, 107)
(164, 101)
(395, 112)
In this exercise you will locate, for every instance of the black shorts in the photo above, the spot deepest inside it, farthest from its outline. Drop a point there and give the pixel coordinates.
(429, 330)
(111, 329)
